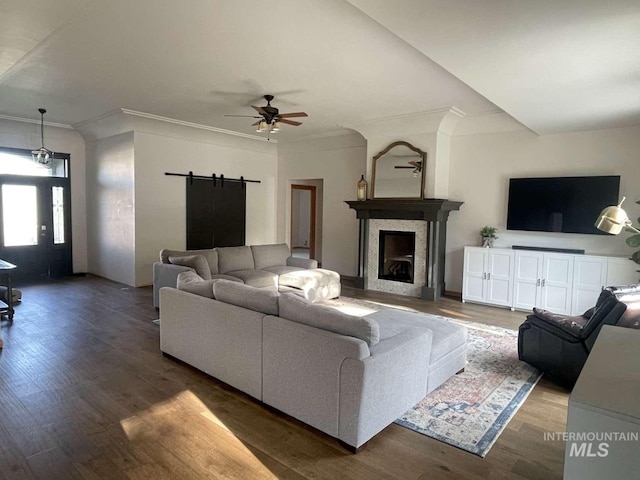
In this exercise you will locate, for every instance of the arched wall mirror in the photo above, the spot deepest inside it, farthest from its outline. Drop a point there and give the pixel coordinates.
(399, 172)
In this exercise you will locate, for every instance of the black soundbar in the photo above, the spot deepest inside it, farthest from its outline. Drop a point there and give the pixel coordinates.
(575, 251)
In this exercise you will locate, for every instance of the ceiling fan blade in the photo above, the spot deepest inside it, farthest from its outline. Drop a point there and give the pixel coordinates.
(294, 114)
(259, 110)
(244, 116)
(290, 122)
(415, 164)
(402, 166)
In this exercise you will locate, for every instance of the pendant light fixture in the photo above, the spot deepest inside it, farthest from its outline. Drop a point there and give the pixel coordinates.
(614, 219)
(42, 155)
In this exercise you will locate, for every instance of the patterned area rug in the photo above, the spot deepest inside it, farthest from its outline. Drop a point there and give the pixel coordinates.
(470, 410)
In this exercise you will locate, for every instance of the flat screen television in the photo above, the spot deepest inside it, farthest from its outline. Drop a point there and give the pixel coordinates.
(560, 204)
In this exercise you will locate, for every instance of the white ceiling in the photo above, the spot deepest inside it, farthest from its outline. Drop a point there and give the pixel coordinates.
(552, 66)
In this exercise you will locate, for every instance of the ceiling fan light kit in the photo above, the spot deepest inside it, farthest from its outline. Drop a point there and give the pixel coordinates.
(262, 126)
(271, 119)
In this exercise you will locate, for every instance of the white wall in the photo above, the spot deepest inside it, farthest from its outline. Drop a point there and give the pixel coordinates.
(160, 200)
(14, 134)
(480, 168)
(338, 161)
(110, 209)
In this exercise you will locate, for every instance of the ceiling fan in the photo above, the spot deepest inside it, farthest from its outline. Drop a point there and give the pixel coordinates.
(416, 165)
(270, 118)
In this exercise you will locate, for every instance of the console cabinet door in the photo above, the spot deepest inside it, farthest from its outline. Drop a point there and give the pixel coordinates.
(527, 280)
(500, 277)
(589, 278)
(622, 271)
(557, 282)
(473, 279)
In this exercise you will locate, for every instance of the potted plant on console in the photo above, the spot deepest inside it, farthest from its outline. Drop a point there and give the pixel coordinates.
(488, 235)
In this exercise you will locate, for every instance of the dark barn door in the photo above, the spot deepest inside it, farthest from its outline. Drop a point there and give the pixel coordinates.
(215, 213)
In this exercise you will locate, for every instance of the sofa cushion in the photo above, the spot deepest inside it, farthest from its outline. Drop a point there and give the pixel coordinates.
(222, 276)
(297, 309)
(256, 299)
(209, 254)
(234, 258)
(315, 284)
(281, 269)
(257, 278)
(197, 262)
(446, 335)
(305, 263)
(270, 255)
(193, 283)
(312, 278)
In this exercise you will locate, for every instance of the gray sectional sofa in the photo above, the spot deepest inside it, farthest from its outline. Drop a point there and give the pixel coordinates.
(347, 376)
(264, 266)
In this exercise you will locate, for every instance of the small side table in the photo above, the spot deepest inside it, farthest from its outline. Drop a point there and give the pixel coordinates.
(6, 269)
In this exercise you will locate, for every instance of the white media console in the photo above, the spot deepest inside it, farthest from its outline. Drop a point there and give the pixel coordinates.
(563, 283)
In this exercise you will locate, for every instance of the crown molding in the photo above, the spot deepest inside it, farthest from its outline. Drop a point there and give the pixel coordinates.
(124, 120)
(413, 116)
(489, 122)
(487, 112)
(430, 121)
(91, 120)
(198, 126)
(37, 122)
(316, 136)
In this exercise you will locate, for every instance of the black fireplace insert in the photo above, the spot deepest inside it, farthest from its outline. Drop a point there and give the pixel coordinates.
(396, 256)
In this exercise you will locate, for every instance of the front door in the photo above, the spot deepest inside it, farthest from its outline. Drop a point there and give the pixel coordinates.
(35, 225)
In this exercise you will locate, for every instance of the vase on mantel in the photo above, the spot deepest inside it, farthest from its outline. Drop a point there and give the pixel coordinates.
(487, 242)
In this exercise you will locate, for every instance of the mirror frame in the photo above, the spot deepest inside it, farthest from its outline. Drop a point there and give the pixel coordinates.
(386, 150)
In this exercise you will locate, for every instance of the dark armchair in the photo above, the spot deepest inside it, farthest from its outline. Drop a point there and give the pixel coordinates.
(559, 345)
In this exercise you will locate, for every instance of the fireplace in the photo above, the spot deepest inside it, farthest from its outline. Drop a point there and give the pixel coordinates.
(423, 273)
(396, 255)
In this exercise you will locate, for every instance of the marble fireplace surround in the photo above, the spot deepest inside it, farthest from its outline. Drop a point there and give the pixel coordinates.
(428, 219)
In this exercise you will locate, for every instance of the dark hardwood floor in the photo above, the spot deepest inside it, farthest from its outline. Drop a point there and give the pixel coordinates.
(85, 393)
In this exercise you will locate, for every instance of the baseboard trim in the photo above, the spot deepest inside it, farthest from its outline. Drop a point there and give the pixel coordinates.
(353, 282)
(452, 294)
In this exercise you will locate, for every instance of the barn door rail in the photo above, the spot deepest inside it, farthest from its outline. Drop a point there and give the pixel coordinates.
(213, 177)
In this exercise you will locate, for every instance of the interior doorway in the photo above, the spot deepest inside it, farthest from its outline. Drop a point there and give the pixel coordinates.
(303, 220)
